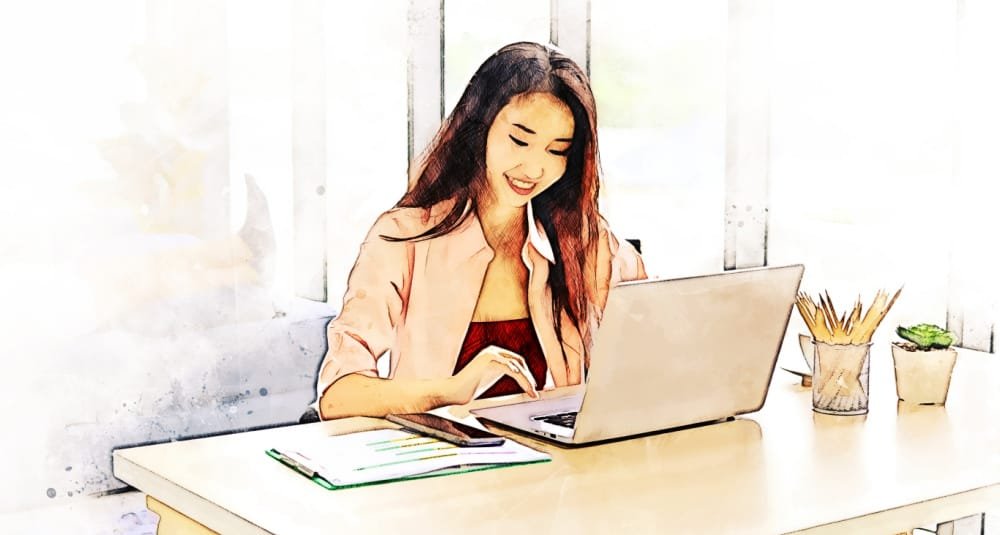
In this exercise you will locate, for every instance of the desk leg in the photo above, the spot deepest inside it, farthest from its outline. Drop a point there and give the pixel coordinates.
(969, 525)
(173, 522)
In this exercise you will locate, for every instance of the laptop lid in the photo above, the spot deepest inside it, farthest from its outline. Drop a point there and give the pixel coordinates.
(676, 352)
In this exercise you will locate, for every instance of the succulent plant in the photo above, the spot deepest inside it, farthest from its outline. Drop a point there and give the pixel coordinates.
(926, 336)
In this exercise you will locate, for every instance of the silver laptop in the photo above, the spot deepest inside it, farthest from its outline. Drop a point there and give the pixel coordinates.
(671, 353)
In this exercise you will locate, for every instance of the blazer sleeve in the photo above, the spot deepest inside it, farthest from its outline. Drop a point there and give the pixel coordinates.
(373, 305)
(627, 263)
(616, 262)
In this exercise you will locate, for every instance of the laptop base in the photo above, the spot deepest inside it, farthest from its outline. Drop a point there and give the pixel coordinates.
(567, 442)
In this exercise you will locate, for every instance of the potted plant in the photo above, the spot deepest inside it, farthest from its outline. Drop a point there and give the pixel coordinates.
(923, 363)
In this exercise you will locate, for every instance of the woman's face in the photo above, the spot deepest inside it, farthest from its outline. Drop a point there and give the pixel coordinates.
(526, 147)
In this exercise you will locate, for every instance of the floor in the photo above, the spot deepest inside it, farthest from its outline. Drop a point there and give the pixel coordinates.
(115, 514)
(126, 514)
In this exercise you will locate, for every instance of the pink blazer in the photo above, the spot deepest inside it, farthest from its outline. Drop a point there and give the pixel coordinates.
(416, 299)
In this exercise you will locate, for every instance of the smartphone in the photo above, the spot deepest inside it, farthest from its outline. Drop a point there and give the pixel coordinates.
(445, 429)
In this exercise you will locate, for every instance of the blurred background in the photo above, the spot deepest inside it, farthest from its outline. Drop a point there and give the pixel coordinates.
(185, 184)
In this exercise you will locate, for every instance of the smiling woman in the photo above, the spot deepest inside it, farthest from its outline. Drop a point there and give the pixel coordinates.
(491, 273)
(530, 159)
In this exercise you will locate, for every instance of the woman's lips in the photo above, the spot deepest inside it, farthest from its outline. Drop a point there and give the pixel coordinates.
(521, 187)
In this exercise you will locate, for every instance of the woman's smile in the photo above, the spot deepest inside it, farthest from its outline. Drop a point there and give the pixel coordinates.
(521, 187)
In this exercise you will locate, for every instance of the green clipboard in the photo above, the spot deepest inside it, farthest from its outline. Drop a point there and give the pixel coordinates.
(321, 481)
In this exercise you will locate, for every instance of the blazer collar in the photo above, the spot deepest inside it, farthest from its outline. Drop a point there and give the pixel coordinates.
(468, 240)
(464, 243)
(537, 236)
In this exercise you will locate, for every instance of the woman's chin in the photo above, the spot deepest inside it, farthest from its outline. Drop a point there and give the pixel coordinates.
(513, 200)
(519, 201)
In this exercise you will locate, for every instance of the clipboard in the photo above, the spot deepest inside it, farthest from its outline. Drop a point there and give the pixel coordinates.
(390, 455)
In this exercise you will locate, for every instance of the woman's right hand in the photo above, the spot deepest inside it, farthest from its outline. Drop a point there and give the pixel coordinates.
(488, 367)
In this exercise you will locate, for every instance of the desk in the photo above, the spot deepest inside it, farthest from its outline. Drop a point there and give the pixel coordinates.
(783, 469)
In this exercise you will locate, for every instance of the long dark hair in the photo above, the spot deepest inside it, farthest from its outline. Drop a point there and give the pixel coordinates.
(454, 166)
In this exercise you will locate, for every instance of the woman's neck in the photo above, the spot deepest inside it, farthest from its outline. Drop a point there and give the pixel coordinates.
(504, 227)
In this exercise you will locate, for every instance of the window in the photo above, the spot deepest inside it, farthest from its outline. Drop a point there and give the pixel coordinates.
(260, 123)
(658, 74)
(861, 150)
(366, 48)
(63, 201)
(476, 29)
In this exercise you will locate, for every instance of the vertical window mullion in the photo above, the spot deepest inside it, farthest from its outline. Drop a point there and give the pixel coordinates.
(973, 290)
(425, 74)
(309, 149)
(747, 133)
(570, 29)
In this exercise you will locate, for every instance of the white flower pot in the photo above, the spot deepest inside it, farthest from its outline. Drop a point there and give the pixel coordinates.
(923, 376)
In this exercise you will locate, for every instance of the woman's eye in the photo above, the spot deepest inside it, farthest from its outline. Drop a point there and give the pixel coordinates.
(518, 142)
(560, 152)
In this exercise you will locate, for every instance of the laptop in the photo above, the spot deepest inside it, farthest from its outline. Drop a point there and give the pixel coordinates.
(671, 353)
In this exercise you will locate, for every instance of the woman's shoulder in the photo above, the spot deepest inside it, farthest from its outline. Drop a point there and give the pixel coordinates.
(605, 235)
(626, 262)
(404, 221)
(610, 244)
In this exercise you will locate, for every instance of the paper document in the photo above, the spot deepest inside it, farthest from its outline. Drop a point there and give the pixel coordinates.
(387, 454)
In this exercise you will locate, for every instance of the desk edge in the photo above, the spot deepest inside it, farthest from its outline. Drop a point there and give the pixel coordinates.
(192, 505)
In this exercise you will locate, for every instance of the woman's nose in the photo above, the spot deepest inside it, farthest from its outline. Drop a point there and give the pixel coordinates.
(532, 170)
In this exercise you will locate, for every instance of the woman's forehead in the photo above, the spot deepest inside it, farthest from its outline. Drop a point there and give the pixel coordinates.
(541, 113)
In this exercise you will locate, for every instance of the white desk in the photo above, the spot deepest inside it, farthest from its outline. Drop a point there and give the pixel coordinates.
(783, 469)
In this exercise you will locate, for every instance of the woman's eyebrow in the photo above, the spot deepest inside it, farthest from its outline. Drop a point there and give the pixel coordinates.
(530, 131)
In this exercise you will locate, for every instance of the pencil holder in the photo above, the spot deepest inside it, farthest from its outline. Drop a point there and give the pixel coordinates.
(840, 378)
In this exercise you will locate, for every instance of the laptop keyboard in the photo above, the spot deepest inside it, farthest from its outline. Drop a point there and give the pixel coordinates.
(564, 419)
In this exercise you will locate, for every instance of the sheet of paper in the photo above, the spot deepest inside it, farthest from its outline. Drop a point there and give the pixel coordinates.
(385, 454)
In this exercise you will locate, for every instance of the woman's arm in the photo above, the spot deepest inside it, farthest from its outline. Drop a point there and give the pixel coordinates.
(627, 262)
(377, 291)
(616, 262)
(361, 395)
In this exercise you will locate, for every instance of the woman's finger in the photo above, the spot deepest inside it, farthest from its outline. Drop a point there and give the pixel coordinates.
(513, 365)
(520, 373)
(524, 380)
(519, 361)
(510, 365)
(524, 370)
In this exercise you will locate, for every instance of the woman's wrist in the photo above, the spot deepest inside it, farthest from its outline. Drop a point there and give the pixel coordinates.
(360, 395)
(453, 391)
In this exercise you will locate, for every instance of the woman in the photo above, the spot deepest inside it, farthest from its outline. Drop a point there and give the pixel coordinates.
(491, 273)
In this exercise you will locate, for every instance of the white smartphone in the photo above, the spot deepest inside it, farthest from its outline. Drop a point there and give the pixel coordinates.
(445, 429)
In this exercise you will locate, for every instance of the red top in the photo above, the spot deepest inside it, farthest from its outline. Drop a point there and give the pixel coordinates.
(514, 335)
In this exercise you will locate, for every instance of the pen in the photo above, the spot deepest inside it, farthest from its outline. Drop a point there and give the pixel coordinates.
(296, 464)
